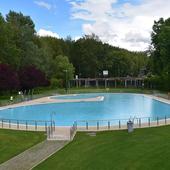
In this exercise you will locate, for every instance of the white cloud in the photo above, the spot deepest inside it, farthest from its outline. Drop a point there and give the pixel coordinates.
(125, 25)
(43, 4)
(76, 38)
(47, 33)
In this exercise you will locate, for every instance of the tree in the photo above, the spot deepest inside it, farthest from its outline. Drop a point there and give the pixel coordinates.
(161, 49)
(23, 35)
(8, 78)
(58, 67)
(31, 77)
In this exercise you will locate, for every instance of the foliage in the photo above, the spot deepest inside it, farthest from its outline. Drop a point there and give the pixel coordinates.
(87, 57)
(31, 77)
(8, 78)
(160, 59)
(90, 57)
(56, 83)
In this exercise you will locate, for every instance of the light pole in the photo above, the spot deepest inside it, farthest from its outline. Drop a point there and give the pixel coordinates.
(66, 87)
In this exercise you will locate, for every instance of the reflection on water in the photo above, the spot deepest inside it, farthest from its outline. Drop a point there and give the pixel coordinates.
(114, 106)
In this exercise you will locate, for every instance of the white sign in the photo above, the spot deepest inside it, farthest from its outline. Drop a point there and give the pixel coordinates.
(76, 77)
(105, 72)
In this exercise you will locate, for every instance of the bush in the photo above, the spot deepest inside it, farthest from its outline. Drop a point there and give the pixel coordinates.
(158, 82)
(31, 77)
(56, 83)
(8, 78)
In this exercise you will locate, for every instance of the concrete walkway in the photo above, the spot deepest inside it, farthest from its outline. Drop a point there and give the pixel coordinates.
(33, 156)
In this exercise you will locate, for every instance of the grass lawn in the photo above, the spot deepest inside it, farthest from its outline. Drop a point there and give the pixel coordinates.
(109, 90)
(145, 149)
(14, 142)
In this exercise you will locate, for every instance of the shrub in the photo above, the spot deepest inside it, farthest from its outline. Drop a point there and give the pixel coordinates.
(31, 77)
(56, 83)
(8, 78)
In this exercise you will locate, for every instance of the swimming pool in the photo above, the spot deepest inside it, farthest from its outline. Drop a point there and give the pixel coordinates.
(114, 106)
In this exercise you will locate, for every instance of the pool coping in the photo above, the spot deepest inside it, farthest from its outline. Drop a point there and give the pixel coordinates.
(50, 100)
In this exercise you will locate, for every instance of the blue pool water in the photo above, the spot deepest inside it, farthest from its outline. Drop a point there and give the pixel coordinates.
(114, 106)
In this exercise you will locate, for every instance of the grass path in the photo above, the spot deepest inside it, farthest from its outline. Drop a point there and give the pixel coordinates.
(33, 156)
(14, 142)
(145, 149)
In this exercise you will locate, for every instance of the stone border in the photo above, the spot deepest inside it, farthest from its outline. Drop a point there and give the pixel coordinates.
(51, 100)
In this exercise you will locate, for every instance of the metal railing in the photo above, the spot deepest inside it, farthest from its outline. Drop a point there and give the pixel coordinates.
(28, 125)
(73, 130)
(117, 124)
(84, 125)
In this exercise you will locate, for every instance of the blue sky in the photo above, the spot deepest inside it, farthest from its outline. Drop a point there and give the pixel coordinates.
(122, 23)
(56, 19)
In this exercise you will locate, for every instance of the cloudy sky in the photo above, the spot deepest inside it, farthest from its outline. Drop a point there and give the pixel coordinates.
(122, 23)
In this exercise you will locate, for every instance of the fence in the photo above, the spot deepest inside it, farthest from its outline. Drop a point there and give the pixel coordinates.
(28, 125)
(118, 124)
(83, 125)
(73, 130)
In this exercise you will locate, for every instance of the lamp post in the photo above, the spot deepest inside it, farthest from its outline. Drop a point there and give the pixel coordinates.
(66, 85)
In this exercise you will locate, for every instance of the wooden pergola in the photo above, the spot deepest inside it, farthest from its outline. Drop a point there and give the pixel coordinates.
(115, 82)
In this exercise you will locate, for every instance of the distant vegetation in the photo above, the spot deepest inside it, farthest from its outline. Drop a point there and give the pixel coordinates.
(28, 61)
(159, 63)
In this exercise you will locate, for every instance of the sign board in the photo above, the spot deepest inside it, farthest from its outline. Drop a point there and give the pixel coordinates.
(76, 77)
(105, 72)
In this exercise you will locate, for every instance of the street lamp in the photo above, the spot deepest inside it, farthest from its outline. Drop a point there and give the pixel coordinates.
(66, 86)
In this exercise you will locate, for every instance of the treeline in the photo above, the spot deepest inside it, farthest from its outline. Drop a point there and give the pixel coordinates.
(28, 61)
(159, 63)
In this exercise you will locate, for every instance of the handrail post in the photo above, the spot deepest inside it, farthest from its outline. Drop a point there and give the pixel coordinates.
(119, 124)
(86, 125)
(75, 123)
(108, 125)
(149, 122)
(54, 125)
(45, 126)
(9, 124)
(165, 120)
(2, 123)
(97, 125)
(139, 122)
(17, 124)
(157, 121)
(35, 125)
(26, 125)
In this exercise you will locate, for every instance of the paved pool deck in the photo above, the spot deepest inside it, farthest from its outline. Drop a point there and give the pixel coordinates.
(50, 99)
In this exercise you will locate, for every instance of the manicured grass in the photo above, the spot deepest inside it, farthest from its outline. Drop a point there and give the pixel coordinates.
(14, 142)
(109, 90)
(145, 149)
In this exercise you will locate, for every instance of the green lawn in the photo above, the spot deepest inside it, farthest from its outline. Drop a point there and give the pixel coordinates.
(109, 90)
(145, 149)
(14, 142)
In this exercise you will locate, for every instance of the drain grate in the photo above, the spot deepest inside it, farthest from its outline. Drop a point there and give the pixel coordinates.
(91, 134)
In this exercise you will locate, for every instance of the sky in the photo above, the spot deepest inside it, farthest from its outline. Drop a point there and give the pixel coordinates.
(122, 23)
